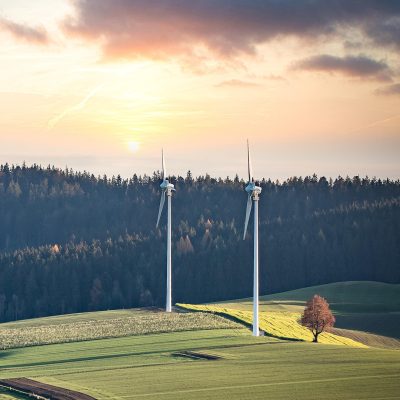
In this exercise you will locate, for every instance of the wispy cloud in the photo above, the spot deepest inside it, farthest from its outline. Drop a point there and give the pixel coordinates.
(375, 123)
(389, 90)
(354, 66)
(273, 77)
(237, 83)
(35, 35)
(75, 108)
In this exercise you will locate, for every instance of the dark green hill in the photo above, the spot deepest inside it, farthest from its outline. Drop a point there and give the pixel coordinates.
(349, 296)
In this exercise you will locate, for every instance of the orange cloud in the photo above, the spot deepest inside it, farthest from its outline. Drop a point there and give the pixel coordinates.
(162, 29)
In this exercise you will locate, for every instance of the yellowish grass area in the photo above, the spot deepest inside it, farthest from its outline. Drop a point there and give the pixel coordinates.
(280, 324)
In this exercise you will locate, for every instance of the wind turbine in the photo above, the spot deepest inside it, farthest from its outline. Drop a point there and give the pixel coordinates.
(166, 189)
(253, 193)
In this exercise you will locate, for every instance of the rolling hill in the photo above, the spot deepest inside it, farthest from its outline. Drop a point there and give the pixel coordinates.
(363, 306)
(349, 296)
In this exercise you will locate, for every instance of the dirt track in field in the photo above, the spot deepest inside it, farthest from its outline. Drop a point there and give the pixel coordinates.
(43, 390)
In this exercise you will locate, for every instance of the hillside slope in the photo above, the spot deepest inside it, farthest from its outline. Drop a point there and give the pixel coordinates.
(349, 296)
(372, 307)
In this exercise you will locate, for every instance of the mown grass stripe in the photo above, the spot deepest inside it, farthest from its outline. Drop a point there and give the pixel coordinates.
(235, 387)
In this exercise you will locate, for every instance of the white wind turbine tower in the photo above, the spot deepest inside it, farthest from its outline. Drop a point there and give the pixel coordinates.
(253, 192)
(166, 189)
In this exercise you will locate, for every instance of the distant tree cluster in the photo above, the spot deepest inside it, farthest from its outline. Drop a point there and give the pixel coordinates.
(75, 242)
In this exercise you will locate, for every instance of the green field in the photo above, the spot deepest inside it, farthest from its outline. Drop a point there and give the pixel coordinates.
(148, 366)
(257, 368)
(104, 324)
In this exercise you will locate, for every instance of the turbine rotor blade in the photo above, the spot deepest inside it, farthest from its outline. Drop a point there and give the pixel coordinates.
(164, 171)
(162, 200)
(248, 211)
(249, 167)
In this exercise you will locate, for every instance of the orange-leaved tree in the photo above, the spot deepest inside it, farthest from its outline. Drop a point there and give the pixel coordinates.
(317, 316)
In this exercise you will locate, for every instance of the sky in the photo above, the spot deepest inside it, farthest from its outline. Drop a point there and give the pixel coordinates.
(104, 85)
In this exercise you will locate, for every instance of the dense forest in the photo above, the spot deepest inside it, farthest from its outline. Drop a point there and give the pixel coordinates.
(73, 242)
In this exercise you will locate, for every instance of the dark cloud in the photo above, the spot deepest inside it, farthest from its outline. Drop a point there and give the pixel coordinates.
(352, 45)
(237, 83)
(354, 66)
(389, 90)
(386, 32)
(37, 35)
(227, 28)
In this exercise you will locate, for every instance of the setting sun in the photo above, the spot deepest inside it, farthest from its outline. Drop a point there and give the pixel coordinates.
(133, 146)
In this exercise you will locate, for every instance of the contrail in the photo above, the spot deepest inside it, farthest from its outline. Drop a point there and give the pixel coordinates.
(375, 123)
(55, 120)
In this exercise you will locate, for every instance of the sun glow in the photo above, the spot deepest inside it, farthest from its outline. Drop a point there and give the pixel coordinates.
(133, 146)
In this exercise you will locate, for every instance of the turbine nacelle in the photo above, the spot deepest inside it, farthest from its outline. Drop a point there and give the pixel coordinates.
(252, 189)
(165, 185)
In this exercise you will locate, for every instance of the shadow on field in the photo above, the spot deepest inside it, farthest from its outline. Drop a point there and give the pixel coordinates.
(4, 354)
(194, 355)
(386, 324)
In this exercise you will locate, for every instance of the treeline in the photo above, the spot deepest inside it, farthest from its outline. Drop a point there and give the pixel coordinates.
(74, 242)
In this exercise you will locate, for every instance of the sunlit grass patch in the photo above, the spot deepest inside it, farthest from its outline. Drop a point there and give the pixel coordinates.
(280, 324)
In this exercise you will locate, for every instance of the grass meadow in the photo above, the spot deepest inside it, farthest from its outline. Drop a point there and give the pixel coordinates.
(254, 368)
(105, 324)
(149, 364)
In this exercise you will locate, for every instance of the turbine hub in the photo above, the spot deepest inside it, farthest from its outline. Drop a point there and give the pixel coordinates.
(166, 185)
(253, 190)
(250, 187)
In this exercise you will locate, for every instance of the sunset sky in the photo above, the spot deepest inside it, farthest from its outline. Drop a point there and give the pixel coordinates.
(103, 85)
